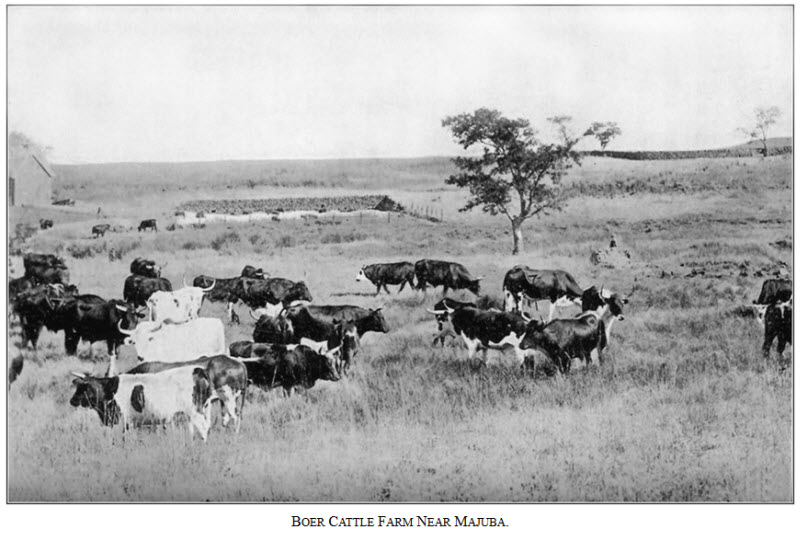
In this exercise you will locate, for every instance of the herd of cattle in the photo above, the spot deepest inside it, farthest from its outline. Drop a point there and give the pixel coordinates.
(186, 363)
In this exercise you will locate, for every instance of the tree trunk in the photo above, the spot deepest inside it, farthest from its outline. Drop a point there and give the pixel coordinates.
(516, 232)
(764, 142)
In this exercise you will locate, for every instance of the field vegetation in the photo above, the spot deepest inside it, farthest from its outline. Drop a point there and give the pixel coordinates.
(684, 409)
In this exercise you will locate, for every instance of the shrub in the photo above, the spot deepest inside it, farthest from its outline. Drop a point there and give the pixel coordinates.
(191, 245)
(285, 241)
(224, 238)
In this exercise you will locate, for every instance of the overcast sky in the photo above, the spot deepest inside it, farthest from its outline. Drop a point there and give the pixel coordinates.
(103, 84)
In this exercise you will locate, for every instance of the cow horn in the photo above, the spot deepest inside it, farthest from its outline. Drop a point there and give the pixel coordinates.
(123, 309)
(210, 287)
(184, 282)
(435, 311)
(123, 331)
(481, 277)
(377, 309)
(254, 316)
(80, 375)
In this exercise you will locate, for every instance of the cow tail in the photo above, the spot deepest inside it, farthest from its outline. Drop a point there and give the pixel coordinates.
(603, 341)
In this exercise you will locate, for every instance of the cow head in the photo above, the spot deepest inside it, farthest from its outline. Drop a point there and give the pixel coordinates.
(97, 393)
(474, 286)
(361, 277)
(298, 292)
(594, 300)
(534, 336)
(373, 322)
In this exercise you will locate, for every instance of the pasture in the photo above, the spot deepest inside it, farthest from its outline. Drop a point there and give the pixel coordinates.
(683, 409)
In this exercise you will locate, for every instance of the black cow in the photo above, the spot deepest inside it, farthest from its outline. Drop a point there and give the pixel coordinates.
(364, 319)
(45, 224)
(100, 230)
(229, 291)
(564, 339)
(138, 289)
(555, 285)
(145, 268)
(450, 275)
(289, 367)
(273, 330)
(487, 329)
(443, 323)
(774, 291)
(250, 272)
(19, 285)
(401, 273)
(36, 309)
(608, 305)
(45, 268)
(257, 293)
(91, 318)
(777, 324)
(148, 224)
(307, 328)
(227, 376)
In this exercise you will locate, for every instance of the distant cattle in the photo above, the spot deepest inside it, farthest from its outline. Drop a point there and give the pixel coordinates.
(450, 275)
(175, 343)
(148, 224)
(135, 400)
(137, 289)
(100, 230)
(228, 378)
(777, 324)
(380, 275)
(45, 224)
(257, 293)
(145, 268)
(554, 285)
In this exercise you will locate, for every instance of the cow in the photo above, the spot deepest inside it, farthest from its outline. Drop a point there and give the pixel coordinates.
(134, 400)
(289, 366)
(45, 268)
(36, 309)
(45, 224)
(178, 306)
(308, 328)
(554, 285)
(148, 224)
(175, 343)
(777, 324)
(92, 319)
(100, 230)
(250, 272)
(450, 275)
(443, 323)
(364, 319)
(564, 339)
(228, 378)
(145, 268)
(257, 293)
(608, 305)
(487, 329)
(401, 273)
(137, 289)
(19, 285)
(225, 290)
(273, 330)
(773, 291)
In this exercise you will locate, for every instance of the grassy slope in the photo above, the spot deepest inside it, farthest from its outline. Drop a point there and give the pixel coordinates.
(685, 408)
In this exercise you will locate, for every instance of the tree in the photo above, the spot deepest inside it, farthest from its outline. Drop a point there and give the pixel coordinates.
(604, 132)
(18, 140)
(516, 168)
(765, 117)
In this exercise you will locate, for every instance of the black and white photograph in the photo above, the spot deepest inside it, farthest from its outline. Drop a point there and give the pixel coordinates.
(399, 254)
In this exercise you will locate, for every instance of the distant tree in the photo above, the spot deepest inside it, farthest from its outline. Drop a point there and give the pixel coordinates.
(604, 132)
(517, 175)
(765, 118)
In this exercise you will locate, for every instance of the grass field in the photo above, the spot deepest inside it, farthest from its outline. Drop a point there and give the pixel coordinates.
(684, 409)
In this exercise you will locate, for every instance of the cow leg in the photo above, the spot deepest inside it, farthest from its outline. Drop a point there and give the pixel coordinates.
(377, 288)
(402, 285)
(71, 340)
(781, 344)
(768, 338)
(386, 288)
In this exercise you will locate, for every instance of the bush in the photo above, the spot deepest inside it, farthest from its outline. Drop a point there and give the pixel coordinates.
(285, 241)
(227, 237)
(191, 245)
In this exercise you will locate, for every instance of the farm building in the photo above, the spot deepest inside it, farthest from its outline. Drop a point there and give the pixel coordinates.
(30, 179)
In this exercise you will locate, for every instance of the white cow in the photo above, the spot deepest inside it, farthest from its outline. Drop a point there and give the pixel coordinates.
(155, 341)
(178, 306)
(150, 398)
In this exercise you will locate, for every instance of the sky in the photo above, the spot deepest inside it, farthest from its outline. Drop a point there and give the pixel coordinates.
(106, 84)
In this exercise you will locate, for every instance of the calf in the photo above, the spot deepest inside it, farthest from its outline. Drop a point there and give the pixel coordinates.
(564, 339)
(148, 224)
(777, 324)
(100, 230)
(137, 399)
